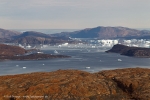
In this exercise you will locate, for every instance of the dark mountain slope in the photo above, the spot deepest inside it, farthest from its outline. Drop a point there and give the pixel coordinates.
(32, 37)
(33, 34)
(130, 51)
(105, 33)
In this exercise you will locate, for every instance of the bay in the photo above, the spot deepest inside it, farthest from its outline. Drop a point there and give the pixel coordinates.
(83, 58)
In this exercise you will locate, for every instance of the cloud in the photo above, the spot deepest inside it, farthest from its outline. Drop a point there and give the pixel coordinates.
(79, 13)
(78, 4)
(42, 3)
(58, 3)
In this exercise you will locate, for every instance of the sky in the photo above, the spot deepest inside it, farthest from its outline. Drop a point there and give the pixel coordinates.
(73, 14)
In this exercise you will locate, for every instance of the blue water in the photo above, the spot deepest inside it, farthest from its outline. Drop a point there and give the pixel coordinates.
(81, 57)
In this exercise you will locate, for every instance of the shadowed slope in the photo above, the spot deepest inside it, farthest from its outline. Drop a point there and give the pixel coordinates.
(130, 51)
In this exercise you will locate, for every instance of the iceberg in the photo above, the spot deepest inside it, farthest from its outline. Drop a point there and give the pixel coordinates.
(24, 67)
(119, 60)
(56, 52)
(87, 67)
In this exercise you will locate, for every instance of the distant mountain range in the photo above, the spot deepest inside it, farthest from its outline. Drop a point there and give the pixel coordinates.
(32, 37)
(106, 33)
(8, 33)
(32, 34)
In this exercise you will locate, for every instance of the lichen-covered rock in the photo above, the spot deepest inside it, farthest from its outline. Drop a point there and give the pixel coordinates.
(133, 81)
(120, 84)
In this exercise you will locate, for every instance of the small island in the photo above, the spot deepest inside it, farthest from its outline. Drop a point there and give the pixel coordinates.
(130, 51)
(9, 52)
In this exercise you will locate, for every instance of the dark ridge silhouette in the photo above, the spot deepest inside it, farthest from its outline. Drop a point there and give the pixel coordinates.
(33, 34)
(130, 51)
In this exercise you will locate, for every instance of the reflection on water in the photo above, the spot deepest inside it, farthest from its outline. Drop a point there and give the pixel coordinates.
(85, 58)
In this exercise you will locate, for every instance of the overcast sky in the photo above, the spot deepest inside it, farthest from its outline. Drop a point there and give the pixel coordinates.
(73, 14)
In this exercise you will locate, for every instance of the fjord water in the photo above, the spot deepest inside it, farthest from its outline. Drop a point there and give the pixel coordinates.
(82, 58)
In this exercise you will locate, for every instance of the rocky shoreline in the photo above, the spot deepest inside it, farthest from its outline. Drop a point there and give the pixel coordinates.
(9, 52)
(130, 51)
(35, 56)
(119, 84)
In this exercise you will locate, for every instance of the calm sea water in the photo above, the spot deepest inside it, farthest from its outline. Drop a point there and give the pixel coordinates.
(82, 58)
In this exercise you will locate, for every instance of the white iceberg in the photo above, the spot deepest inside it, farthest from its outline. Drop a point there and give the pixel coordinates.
(87, 67)
(56, 52)
(119, 60)
(24, 67)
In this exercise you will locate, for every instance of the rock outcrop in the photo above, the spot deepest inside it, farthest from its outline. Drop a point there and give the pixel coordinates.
(130, 51)
(120, 84)
(9, 52)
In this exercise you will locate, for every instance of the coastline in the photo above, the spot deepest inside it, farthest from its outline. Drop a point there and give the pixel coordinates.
(32, 57)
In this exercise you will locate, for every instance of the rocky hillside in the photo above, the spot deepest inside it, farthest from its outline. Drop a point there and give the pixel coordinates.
(6, 35)
(106, 33)
(32, 37)
(119, 84)
(11, 50)
(130, 51)
(8, 52)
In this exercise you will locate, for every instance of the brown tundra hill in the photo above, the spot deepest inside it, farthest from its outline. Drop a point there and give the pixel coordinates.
(10, 50)
(119, 84)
